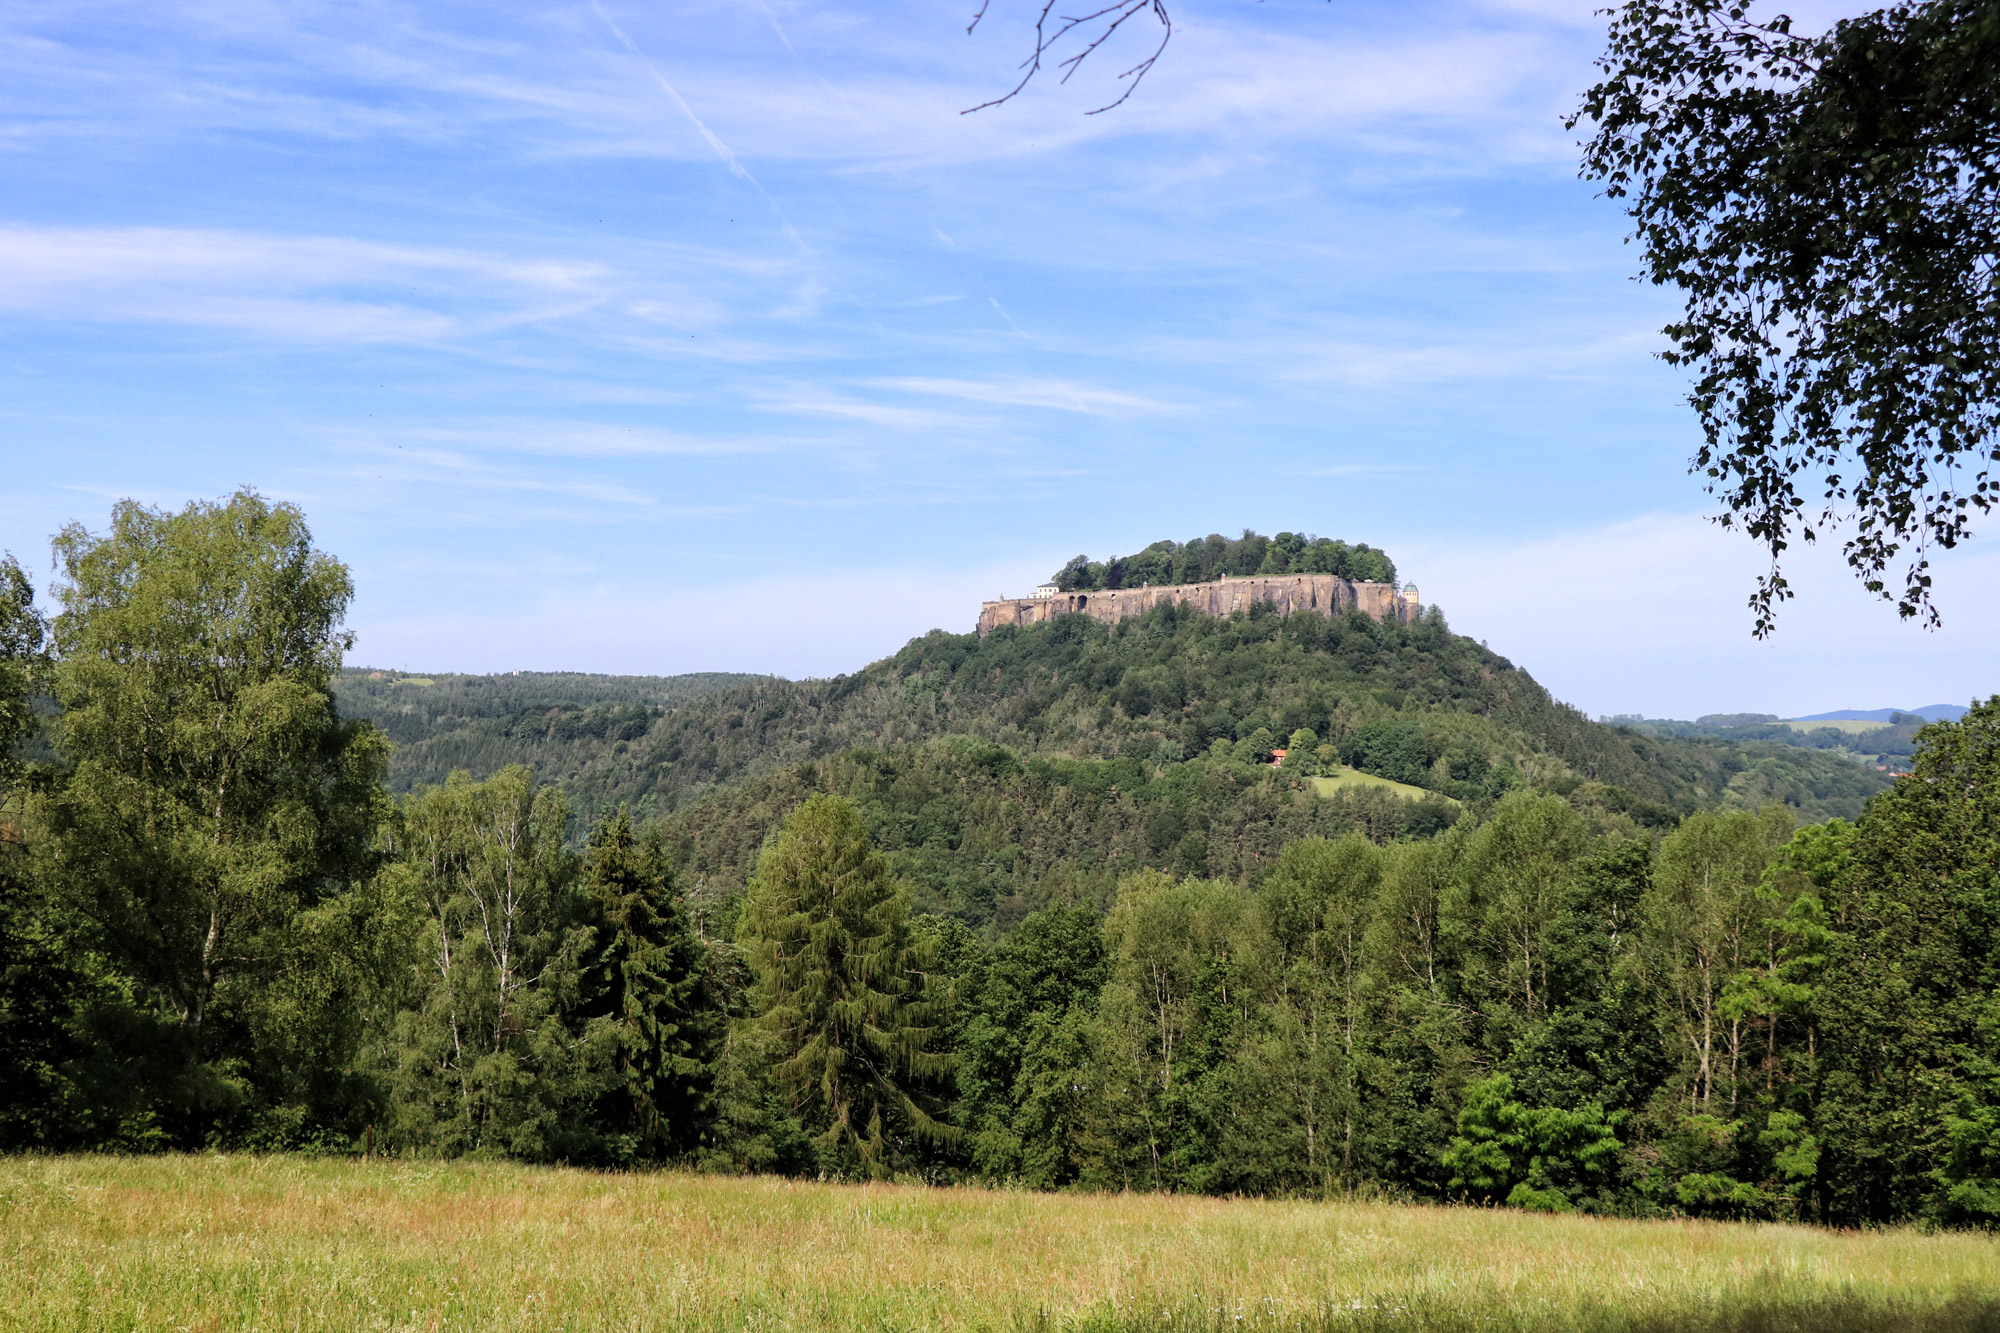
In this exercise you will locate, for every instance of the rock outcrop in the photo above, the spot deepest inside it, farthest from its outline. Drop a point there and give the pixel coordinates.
(1284, 593)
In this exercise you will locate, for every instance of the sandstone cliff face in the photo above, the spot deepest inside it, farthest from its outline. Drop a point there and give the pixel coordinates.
(1284, 593)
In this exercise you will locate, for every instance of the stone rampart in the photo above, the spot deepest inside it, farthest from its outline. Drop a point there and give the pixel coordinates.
(1283, 593)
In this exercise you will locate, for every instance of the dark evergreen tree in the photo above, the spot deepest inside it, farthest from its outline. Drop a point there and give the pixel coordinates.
(37, 988)
(840, 987)
(647, 973)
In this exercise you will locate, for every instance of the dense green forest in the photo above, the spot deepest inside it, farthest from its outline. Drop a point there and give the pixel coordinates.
(1034, 908)
(560, 722)
(1169, 689)
(1216, 556)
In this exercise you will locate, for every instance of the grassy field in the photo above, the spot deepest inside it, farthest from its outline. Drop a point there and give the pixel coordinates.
(1351, 777)
(211, 1243)
(1851, 727)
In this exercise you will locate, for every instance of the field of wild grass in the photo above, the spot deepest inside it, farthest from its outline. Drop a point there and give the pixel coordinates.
(274, 1243)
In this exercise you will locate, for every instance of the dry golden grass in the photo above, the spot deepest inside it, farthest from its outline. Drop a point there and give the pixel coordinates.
(294, 1243)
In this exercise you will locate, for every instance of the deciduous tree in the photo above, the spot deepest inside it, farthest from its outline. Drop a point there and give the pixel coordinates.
(213, 795)
(1829, 208)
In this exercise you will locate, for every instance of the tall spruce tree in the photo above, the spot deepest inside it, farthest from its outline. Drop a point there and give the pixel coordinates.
(841, 989)
(647, 972)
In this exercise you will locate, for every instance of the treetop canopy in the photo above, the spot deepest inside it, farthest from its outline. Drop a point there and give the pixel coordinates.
(1215, 556)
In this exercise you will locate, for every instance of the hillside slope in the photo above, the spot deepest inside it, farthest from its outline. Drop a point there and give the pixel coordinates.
(1170, 685)
(1161, 690)
(984, 833)
(564, 724)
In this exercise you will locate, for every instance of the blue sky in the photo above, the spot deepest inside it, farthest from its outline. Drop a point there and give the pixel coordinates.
(676, 337)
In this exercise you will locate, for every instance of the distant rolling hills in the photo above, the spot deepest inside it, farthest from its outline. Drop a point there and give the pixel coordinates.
(1929, 712)
(998, 771)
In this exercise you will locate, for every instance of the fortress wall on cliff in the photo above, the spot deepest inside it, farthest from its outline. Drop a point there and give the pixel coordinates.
(1284, 593)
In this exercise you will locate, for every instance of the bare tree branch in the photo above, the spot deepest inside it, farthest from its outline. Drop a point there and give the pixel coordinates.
(1051, 28)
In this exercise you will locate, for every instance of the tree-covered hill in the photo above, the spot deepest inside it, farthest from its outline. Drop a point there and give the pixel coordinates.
(986, 834)
(1173, 685)
(1216, 556)
(560, 722)
(1160, 691)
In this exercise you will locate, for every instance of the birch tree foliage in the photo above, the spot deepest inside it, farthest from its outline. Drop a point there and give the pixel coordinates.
(1513, 890)
(1829, 209)
(1709, 926)
(1317, 908)
(213, 793)
(486, 1059)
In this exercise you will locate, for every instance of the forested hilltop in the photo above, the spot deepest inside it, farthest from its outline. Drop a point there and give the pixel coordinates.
(1047, 907)
(1216, 556)
(1165, 723)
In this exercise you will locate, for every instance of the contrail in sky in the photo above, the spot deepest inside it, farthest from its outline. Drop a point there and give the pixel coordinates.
(722, 150)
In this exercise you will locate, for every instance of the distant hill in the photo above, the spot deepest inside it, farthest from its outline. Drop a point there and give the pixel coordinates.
(997, 770)
(1929, 712)
(1888, 742)
(567, 725)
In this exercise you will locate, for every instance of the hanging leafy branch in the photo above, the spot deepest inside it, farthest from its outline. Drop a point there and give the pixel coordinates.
(1830, 207)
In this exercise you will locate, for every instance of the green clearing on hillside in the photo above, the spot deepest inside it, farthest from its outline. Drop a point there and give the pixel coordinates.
(212, 1242)
(1354, 777)
(1851, 726)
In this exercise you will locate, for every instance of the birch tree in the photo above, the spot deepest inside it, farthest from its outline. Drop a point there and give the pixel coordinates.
(213, 793)
(1317, 907)
(492, 1056)
(1706, 925)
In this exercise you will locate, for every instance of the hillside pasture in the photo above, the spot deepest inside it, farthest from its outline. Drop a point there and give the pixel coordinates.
(1354, 777)
(1850, 726)
(241, 1242)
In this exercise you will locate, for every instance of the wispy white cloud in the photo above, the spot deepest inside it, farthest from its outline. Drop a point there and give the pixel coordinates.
(312, 288)
(1060, 395)
(809, 400)
(1648, 615)
(885, 86)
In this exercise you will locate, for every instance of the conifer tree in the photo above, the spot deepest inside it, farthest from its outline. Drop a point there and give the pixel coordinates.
(649, 969)
(840, 988)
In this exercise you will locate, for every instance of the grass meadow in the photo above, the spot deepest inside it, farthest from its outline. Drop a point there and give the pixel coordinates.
(240, 1242)
(1354, 777)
